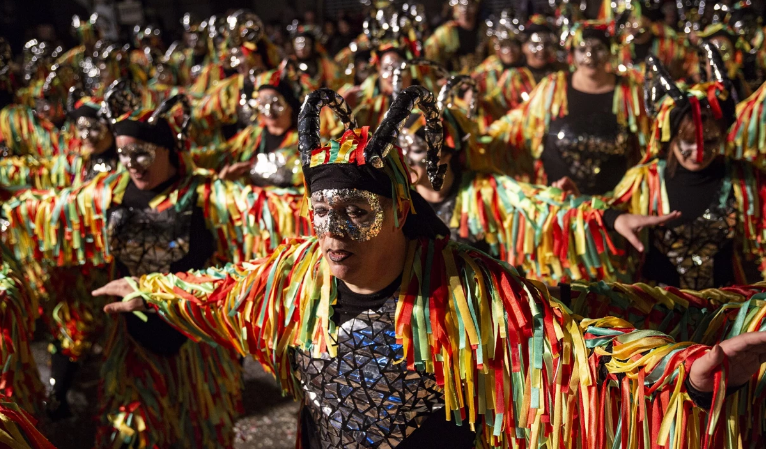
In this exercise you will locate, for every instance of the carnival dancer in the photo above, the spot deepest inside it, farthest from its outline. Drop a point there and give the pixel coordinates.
(156, 215)
(584, 128)
(457, 45)
(384, 328)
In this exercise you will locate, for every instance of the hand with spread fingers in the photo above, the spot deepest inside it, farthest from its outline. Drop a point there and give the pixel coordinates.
(629, 225)
(120, 288)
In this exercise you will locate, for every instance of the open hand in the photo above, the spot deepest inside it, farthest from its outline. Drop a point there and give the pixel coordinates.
(234, 171)
(567, 186)
(120, 288)
(629, 225)
(746, 353)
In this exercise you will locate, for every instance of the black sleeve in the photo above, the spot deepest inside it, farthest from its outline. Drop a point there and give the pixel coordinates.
(610, 216)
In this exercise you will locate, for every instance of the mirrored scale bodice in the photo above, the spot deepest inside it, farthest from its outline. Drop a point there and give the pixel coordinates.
(588, 154)
(149, 241)
(365, 397)
(691, 247)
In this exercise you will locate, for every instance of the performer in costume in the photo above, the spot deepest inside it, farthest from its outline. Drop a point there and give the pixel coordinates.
(457, 44)
(266, 150)
(156, 215)
(384, 328)
(733, 50)
(584, 128)
(716, 240)
(505, 82)
(312, 59)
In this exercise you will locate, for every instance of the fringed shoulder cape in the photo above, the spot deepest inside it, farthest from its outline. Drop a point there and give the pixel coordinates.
(521, 132)
(501, 89)
(553, 236)
(69, 226)
(513, 363)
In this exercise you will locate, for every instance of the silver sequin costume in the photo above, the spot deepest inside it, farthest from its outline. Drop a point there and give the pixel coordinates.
(363, 397)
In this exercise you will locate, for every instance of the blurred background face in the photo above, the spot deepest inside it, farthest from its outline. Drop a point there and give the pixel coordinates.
(273, 109)
(96, 137)
(388, 63)
(538, 50)
(685, 148)
(509, 51)
(591, 56)
(465, 12)
(148, 165)
(303, 47)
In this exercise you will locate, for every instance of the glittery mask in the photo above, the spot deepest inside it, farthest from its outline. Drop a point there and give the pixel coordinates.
(138, 156)
(387, 66)
(591, 53)
(270, 105)
(340, 214)
(413, 147)
(689, 149)
(504, 47)
(300, 43)
(724, 47)
(539, 44)
(90, 129)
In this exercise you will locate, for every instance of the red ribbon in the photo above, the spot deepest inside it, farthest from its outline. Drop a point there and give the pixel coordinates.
(697, 117)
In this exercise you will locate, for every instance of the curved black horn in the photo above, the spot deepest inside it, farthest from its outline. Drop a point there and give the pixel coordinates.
(120, 98)
(658, 84)
(717, 66)
(387, 133)
(165, 108)
(396, 79)
(308, 119)
(447, 92)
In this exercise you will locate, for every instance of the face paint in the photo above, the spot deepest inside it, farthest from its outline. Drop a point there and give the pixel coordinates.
(299, 43)
(591, 53)
(338, 212)
(270, 105)
(388, 63)
(138, 156)
(90, 129)
(414, 148)
(539, 44)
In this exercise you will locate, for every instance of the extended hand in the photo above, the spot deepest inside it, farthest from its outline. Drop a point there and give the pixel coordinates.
(746, 353)
(235, 171)
(567, 186)
(629, 225)
(120, 288)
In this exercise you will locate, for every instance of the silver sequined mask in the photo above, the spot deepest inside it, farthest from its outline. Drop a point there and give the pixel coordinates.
(413, 147)
(90, 129)
(138, 156)
(339, 213)
(270, 105)
(591, 53)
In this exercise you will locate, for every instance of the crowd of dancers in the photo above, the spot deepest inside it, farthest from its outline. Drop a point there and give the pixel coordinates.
(520, 232)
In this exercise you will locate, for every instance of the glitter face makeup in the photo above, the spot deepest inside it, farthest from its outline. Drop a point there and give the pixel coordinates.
(388, 63)
(539, 44)
(414, 148)
(138, 156)
(270, 105)
(90, 129)
(354, 213)
(591, 53)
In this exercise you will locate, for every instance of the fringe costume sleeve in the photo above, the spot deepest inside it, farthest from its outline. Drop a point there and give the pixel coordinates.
(24, 134)
(18, 311)
(250, 221)
(65, 227)
(513, 363)
(18, 430)
(17, 172)
(219, 105)
(747, 136)
(553, 236)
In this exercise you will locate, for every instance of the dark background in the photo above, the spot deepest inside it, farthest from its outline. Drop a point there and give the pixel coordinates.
(21, 20)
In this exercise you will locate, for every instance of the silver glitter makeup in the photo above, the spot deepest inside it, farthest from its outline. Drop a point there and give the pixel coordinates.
(138, 156)
(332, 219)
